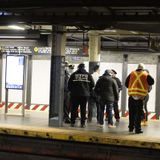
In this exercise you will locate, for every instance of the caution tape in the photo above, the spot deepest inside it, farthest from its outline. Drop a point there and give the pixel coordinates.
(33, 107)
(151, 115)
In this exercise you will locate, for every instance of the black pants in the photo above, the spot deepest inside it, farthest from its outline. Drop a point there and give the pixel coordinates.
(66, 107)
(116, 110)
(145, 111)
(93, 107)
(135, 113)
(75, 102)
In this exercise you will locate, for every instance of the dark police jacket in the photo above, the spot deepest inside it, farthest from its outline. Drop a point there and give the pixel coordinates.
(80, 83)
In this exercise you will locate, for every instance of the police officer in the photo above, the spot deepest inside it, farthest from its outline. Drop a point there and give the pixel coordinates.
(80, 85)
(137, 83)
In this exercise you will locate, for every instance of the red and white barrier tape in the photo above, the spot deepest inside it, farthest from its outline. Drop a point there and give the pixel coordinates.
(40, 107)
(16, 106)
(151, 115)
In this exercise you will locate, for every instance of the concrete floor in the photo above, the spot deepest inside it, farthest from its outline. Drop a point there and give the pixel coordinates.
(35, 124)
(40, 119)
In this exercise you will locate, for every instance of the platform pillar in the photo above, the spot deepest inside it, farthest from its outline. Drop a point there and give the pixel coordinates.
(57, 76)
(157, 107)
(94, 50)
(1, 72)
(29, 82)
(124, 90)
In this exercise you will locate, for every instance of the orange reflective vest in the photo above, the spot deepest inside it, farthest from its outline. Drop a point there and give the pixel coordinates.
(138, 85)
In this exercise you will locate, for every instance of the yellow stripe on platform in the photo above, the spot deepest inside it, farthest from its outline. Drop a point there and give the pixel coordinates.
(127, 139)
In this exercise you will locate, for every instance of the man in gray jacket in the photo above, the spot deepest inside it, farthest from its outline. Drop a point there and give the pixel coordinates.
(107, 90)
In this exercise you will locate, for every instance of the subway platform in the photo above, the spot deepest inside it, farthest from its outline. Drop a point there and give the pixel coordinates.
(31, 136)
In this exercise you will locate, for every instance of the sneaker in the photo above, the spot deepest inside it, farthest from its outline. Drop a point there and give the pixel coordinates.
(142, 123)
(138, 131)
(100, 125)
(111, 126)
(72, 124)
(67, 121)
(146, 123)
(130, 129)
(83, 125)
(117, 120)
(89, 120)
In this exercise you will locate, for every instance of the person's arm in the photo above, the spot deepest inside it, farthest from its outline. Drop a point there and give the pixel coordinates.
(119, 84)
(92, 84)
(115, 90)
(150, 80)
(70, 82)
(127, 81)
(97, 87)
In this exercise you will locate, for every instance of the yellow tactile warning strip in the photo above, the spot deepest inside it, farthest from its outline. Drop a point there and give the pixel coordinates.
(131, 140)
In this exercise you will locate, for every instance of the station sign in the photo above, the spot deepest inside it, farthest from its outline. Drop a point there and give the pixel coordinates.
(42, 50)
(15, 50)
(80, 51)
(29, 50)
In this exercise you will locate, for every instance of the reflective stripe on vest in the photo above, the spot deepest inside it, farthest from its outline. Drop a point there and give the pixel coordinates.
(138, 85)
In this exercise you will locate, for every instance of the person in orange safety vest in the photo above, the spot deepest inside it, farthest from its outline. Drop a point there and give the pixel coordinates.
(137, 82)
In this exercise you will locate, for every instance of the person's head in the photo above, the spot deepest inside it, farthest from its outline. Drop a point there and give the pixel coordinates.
(113, 72)
(107, 72)
(146, 70)
(81, 66)
(66, 64)
(141, 66)
(71, 68)
(96, 68)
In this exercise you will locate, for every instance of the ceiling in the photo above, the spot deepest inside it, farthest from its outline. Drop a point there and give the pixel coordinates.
(134, 23)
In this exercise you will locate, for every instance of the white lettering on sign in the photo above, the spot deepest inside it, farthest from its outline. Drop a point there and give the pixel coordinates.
(72, 50)
(81, 77)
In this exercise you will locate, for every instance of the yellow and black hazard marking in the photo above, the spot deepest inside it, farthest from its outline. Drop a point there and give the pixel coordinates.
(130, 140)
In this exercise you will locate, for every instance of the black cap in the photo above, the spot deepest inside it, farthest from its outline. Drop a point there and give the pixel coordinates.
(96, 67)
(66, 64)
(113, 71)
(107, 72)
(81, 65)
(71, 66)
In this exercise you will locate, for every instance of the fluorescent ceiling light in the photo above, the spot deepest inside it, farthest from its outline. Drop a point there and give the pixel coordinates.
(8, 37)
(16, 27)
(45, 33)
(110, 30)
(133, 32)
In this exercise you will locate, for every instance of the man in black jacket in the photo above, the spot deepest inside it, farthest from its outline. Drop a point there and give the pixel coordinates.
(119, 84)
(80, 85)
(66, 108)
(106, 88)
